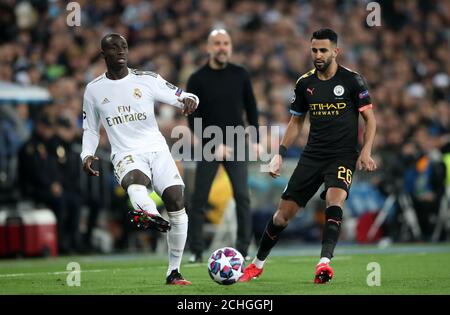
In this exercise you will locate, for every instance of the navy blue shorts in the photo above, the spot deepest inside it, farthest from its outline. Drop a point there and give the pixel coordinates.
(310, 173)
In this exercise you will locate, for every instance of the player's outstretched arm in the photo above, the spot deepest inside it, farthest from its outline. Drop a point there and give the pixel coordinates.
(365, 161)
(168, 93)
(293, 129)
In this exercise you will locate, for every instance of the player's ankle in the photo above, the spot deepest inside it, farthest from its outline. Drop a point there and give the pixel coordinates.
(324, 260)
(258, 263)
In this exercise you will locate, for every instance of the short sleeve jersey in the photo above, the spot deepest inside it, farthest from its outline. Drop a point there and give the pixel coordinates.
(334, 106)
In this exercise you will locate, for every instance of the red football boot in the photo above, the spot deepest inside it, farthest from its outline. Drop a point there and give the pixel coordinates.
(324, 273)
(144, 220)
(251, 272)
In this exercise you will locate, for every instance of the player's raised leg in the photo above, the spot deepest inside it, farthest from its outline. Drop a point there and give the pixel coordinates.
(287, 209)
(176, 237)
(145, 215)
(335, 198)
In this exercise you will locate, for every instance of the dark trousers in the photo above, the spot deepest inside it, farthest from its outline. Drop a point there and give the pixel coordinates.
(204, 176)
(67, 211)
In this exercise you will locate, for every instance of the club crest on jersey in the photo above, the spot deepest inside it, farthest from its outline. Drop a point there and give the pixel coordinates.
(137, 93)
(338, 90)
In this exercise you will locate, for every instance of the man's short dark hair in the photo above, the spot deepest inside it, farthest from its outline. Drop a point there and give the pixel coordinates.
(325, 33)
(106, 38)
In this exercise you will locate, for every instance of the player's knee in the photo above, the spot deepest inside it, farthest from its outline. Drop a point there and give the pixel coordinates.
(335, 197)
(135, 177)
(335, 201)
(280, 218)
(174, 204)
(173, 198)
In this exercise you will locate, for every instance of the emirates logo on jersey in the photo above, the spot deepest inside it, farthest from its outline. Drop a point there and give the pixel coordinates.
(137, 93)
(125, 118)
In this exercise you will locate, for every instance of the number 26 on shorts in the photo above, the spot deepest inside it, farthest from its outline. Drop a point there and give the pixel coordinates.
(345, 174)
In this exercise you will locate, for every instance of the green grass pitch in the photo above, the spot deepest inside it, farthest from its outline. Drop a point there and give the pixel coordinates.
(403, 270)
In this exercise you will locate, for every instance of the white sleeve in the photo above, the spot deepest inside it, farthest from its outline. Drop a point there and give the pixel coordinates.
(168, 93)
(91, 125)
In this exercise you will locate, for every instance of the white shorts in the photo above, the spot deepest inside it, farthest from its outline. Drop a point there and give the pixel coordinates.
(158, 166)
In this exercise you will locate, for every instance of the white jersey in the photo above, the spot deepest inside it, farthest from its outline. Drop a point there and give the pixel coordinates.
(125, 107)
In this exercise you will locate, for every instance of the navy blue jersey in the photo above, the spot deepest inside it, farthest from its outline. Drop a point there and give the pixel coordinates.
(334, 107)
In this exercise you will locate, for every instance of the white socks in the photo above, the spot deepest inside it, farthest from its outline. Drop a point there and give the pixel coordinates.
(176, 238)
(140, 200)
(259, 263)
(324, 260)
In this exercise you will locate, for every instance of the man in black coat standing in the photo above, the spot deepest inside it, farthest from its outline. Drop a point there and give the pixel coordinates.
(226, 93)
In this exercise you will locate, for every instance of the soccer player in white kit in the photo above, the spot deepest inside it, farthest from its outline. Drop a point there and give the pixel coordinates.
(122, 100)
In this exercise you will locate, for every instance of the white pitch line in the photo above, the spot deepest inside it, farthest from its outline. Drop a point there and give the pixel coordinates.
(9, 275)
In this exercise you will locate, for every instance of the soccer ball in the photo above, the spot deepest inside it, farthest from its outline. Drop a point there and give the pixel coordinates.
(226, 265)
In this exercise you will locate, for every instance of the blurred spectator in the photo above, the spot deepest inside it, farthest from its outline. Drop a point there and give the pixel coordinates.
(425, 181)
(69, 169)
(405, 61)
(48, 176)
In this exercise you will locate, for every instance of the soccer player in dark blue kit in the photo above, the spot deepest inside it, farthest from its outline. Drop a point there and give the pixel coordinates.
(334, 96)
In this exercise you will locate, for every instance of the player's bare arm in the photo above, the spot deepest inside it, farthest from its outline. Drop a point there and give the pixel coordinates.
(293, 129)
(87, 165)
(365, 161)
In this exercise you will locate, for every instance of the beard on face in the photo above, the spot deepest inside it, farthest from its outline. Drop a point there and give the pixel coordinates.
(219, 60)
(324, 66)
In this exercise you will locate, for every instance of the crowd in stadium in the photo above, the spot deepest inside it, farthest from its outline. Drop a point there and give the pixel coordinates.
(405, 62)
